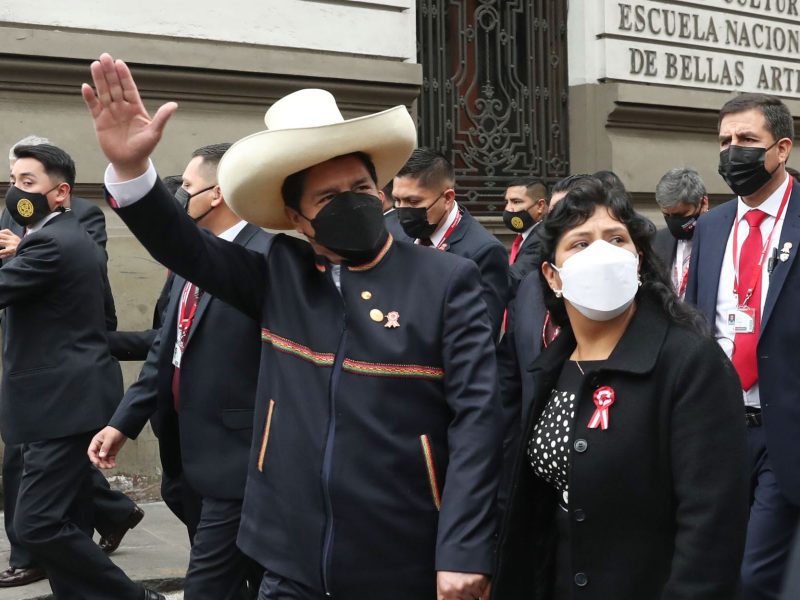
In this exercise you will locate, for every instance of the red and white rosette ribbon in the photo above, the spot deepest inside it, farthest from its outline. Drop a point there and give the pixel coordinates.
(603, 399)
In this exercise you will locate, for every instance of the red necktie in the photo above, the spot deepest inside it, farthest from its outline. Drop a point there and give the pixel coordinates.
(186, 310)
(515, 249)
(744, 344)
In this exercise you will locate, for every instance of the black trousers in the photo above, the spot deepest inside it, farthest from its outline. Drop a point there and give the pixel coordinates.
(771, 528)
(183, 501)
(218, 570)
(53, 520)
(111, 508)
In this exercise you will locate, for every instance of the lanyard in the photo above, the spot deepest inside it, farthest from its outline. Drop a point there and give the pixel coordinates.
(757, 270)
(441, 245)
(681, 289)
(185, 316)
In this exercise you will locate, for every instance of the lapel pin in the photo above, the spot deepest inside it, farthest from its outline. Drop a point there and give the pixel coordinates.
(392, 319)
(376, 315)
(603, 399)
(366, 295)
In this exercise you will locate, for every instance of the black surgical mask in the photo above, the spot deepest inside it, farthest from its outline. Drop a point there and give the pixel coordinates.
(27, 208)
(352, 226)
(414, 221)
(742, 168)
(182, 196)
(680, 226)
(518, 222)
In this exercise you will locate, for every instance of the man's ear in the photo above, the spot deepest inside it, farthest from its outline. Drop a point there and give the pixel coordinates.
(540, 209)
(62, 193)
(704, 205)
(295, 218)
(217, 198)
(784, 149)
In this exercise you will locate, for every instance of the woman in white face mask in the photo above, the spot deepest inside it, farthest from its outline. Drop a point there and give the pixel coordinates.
(629, 481)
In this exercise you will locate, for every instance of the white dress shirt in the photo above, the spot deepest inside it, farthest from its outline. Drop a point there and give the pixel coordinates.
(727, 302)
(682, 250)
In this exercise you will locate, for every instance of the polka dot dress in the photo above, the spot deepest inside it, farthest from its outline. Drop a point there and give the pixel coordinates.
(548, 449)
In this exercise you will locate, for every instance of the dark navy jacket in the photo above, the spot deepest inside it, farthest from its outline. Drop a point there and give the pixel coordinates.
(210, 439)
(516, 353)
(778, 373)
(375, 458)
(59, 378)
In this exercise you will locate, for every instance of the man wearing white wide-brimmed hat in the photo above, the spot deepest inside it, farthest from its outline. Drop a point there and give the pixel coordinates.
(374, 466)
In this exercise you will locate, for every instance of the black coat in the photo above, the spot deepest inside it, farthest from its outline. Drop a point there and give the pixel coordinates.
(209, 441)
(665, 245)
(778, 373)
(59, 378)
(659, 501)
(376, 454)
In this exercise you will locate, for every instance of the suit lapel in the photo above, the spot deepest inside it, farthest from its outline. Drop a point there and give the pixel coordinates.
(460, 230)
(790, 233)
(710, 265)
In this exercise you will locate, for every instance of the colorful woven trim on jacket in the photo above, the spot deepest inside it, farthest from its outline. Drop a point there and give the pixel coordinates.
(265, 438)
(389, 370)
(359, 367)
(377, 259)
(282, 344)
(431, 467)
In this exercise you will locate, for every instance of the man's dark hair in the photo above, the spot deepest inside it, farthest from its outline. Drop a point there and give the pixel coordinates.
(172, 183)
(57, 164)
(430, 168)
(292, 188)
(568, 182)
(212, 153)
(535, 188)
(776, 114)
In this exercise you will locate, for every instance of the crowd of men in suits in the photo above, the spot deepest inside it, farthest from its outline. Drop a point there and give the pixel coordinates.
(334, 416)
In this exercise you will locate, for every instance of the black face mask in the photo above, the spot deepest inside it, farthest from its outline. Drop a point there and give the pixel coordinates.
(518, 222)
(352, 226)
(743, 170)
(414, 221)
(182, 196)
(27, 208)
(681, 227)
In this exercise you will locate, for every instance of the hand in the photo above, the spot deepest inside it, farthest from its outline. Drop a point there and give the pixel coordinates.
(8, 242)
(462, 586)
(126, 132)
(105, 446)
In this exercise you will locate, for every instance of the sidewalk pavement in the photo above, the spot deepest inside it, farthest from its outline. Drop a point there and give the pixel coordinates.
(155, 553)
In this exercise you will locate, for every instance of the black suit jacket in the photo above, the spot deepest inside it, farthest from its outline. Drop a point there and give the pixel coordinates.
(94, 222)
(529, 259)
(778, 375)
(210, 439)
(59, 378)
(376, 451)
(471, 240)
(659, 501)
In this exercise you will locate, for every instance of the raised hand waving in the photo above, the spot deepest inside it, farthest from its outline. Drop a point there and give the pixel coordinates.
(126, 132)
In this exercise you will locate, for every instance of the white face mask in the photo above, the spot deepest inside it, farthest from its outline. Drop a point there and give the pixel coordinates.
(600, 281)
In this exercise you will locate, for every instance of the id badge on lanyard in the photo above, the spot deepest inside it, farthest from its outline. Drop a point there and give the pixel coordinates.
(742, 320)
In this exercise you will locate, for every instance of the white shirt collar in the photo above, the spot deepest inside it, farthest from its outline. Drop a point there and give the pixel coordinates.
(437, 236)
(37, 226)
(770, 206)
(231, 233)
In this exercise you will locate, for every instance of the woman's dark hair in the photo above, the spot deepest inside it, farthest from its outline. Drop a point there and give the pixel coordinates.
(576, 208)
